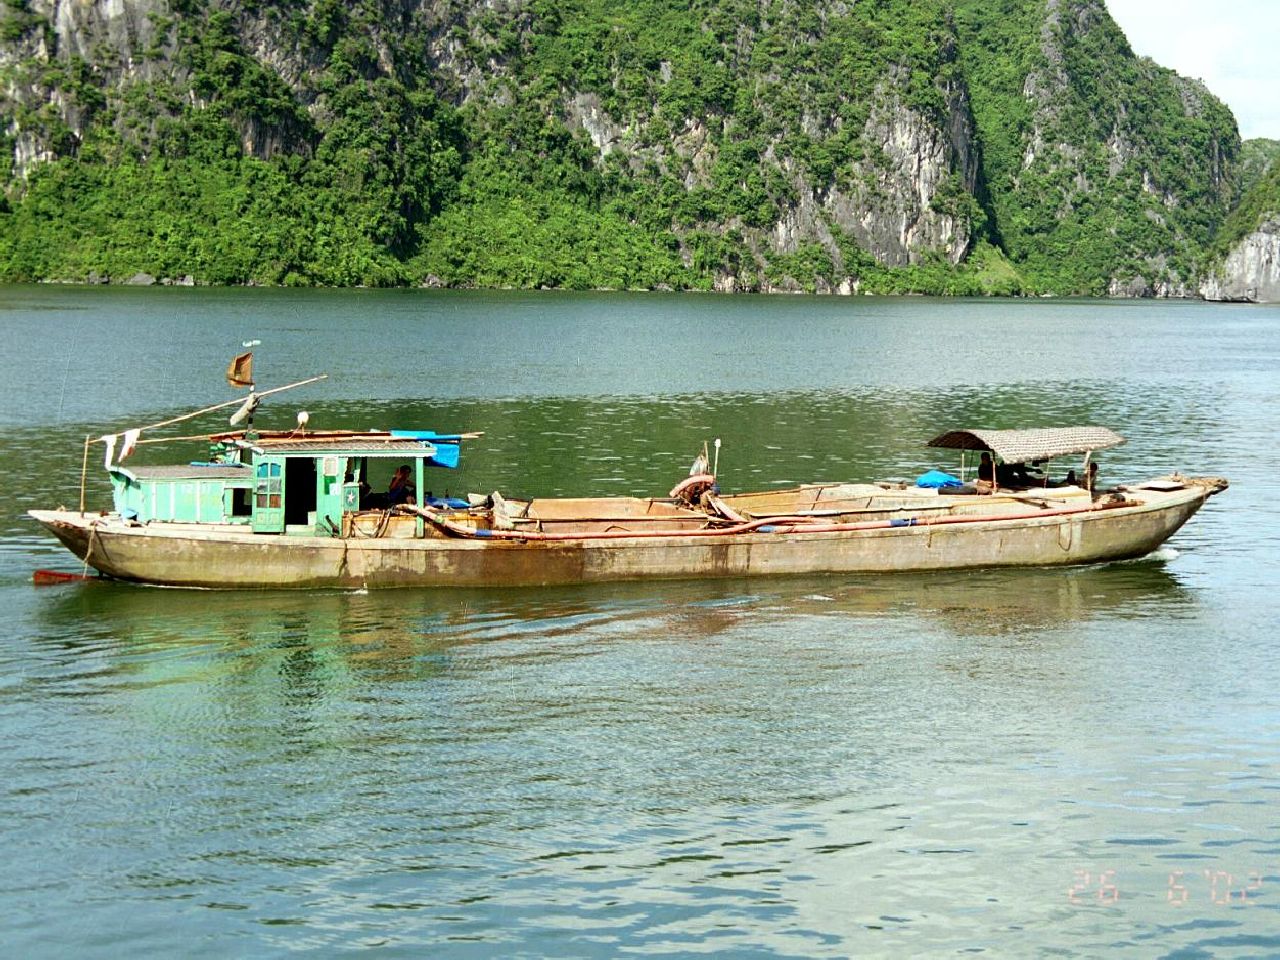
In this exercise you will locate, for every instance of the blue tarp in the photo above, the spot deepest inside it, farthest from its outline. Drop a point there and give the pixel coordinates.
(937, 480)
(448, 445)
(453, 503)
(447, 454)
(426, 435)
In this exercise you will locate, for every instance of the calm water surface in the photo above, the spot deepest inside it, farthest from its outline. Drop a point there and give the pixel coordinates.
(1037, 762)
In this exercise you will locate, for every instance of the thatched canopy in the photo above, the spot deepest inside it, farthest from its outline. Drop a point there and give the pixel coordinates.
(1023, 446)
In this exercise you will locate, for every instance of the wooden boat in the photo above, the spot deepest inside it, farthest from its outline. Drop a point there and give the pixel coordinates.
(289, 510)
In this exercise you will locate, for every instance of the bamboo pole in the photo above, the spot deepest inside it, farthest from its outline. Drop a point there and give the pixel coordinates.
(221, 406)
(194, 436)
(84, 470)
(327, 436)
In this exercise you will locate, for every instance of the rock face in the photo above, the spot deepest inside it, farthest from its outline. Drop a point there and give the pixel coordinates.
(1251, 271)
(888, 208)
(888, 197)
(895, 215)
(805, 143)
(1098, 156)
(890, 201)
(115, 42)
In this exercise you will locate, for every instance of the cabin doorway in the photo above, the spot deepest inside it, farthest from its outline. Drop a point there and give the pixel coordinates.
(300, 481)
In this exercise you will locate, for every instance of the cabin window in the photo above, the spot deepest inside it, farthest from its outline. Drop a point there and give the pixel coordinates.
(268, 489)
(241, 505)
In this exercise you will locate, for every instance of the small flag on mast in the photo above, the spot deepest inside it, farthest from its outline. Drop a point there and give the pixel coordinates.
(240, 370)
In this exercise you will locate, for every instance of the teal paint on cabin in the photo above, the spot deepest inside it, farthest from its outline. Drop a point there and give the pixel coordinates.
(268, 494)
(419, 486)
(182, 495)
(331, 494)
(296, 492)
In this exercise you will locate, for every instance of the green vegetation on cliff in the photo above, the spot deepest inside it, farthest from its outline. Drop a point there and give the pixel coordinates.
(1260, 194)
(1260, 204)
(164, 186)
(952, 146)
(1257, 159)
(1098, 165)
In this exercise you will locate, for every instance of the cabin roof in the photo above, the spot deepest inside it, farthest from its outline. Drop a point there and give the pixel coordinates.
(367, 442)
(1022, 446)
(192, 471)
(364, 445)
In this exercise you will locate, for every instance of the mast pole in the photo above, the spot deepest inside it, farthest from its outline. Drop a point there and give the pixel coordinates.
(84, 470)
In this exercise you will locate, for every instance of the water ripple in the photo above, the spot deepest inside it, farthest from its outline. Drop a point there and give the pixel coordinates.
(1071, 762)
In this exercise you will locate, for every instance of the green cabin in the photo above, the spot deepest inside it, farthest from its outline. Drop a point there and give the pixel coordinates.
(308, 485)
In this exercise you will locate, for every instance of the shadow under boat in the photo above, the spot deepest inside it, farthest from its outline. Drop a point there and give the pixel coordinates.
(410, 622)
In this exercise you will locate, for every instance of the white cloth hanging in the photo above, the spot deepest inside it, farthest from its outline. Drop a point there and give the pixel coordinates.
(110, 440)
(130, 441)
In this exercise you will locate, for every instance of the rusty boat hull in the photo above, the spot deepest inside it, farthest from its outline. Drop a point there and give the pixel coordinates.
(213, 556)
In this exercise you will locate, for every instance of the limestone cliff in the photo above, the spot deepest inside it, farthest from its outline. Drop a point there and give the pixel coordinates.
(61, 59)
(1251, 271)
(1095, 158)
(1246, 252)
(739, 144)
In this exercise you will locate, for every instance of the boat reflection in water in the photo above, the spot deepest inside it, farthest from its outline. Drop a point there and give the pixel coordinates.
(404, 631)
(657, 695)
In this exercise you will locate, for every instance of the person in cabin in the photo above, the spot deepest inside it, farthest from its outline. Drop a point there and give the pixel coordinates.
(1013, 475)
(401, 489)
(1007, 474)
(986, 468)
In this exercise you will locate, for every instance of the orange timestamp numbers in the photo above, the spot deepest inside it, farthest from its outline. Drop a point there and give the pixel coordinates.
(1219, 887)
